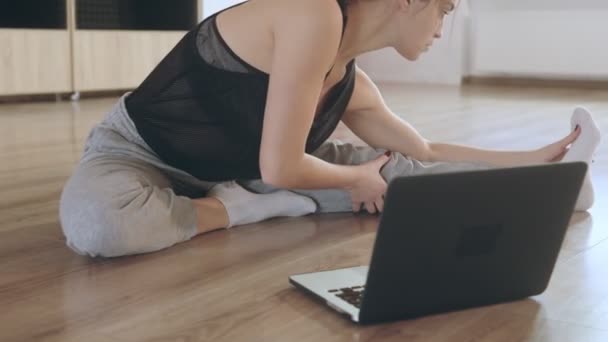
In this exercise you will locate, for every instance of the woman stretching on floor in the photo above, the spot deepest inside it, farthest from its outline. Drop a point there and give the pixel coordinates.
(252, 95)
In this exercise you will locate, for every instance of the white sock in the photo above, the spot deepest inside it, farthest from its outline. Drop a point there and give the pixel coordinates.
(245, 207)
(583, 150)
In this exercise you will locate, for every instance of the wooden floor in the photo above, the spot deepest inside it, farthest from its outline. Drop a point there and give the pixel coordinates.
(232, 285)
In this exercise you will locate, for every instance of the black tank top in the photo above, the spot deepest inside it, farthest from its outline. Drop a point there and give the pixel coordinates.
(208, 121)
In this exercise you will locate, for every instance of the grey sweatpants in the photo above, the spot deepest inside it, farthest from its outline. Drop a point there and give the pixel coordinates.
(122, 199)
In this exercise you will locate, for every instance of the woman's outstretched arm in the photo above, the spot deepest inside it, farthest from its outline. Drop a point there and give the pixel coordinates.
(370, 119)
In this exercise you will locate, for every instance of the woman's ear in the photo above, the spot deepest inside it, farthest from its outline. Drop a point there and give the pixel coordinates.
(405, 4)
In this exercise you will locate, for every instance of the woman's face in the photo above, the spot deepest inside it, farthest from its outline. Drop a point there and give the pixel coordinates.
(420, 24)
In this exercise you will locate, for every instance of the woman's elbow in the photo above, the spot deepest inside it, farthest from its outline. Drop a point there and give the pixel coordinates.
(273, 178)
(279, 176)
(428, 153)
(280, 170)
(422, 151)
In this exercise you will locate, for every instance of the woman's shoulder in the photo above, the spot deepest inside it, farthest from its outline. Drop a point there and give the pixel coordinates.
(309, 10)
(327, 16)
(277, 15)
(327, 6)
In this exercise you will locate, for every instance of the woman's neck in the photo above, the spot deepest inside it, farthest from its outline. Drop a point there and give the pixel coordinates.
(367, 28)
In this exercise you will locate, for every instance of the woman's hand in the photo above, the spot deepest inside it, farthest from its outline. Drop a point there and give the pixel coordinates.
(370, 187)
(555, 152)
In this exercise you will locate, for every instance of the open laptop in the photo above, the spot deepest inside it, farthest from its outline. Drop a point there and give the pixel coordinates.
(457, 240)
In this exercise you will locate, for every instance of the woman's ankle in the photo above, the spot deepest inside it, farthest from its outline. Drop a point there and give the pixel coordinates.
(211, 214)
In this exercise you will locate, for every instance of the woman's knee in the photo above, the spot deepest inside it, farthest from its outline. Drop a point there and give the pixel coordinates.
(89, 223)
(98, 211)
(401, 165)
(349, 154)
(337, 152)
(115, 217)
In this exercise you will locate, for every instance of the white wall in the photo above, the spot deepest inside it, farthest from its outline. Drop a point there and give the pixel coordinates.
(212, 6)
(532, 5)
(539, 38)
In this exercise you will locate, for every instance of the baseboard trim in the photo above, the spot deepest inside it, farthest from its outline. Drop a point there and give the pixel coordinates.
(60, 96)
(535, 82)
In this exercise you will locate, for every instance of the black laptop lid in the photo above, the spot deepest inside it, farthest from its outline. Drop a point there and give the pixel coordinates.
(459, 240)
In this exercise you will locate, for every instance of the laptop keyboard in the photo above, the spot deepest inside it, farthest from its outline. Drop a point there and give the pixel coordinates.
(352, 295)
